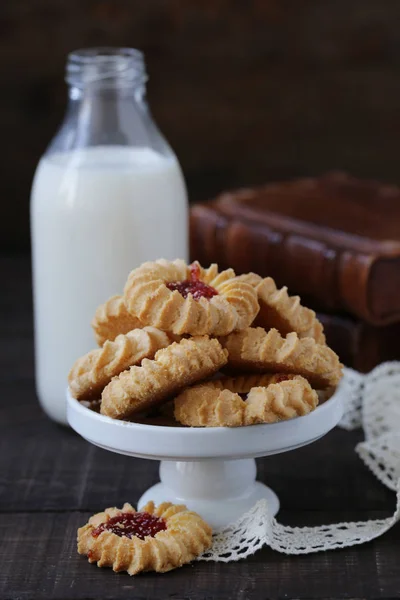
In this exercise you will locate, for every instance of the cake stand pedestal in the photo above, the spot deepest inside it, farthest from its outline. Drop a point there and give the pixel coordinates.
(211, 470)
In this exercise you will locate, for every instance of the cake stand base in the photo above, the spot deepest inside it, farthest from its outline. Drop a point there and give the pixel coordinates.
(221, 491)
(210, 469)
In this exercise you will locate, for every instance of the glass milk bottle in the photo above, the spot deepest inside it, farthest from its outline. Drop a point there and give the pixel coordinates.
(107, 195)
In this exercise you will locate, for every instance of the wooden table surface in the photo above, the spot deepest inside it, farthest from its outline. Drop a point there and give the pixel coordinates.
(51, 481)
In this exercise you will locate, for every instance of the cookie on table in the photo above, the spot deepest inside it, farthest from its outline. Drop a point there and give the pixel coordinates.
(179, 365)
(92, 372)
(156, 538)
(188, 299)
(111, 319)
(245, 400)
(283, 312)
(257, 350)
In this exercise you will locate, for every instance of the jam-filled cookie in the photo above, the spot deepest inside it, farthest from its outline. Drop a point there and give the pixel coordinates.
(246, 400)
(156, 538)
(111, 319)
(155, 381)
(91, 373)
(256, 350)
(187, 299)
(283, 312)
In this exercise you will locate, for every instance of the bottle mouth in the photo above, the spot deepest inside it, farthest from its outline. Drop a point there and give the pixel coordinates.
(105, 67)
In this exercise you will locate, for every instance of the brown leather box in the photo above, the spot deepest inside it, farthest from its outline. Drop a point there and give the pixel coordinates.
(360, 345)
(334, 240)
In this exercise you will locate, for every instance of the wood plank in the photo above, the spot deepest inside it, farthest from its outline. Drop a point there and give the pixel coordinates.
(39, 561)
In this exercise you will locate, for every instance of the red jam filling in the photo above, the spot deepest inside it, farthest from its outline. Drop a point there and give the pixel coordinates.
(193, 286)
(138, 524)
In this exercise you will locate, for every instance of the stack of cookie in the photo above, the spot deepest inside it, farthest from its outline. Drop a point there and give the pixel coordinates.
(164, 342)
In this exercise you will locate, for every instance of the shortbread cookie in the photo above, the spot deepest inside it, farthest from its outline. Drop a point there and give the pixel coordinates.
(256, 350)
(246, 400)
(92, 372)
(111, 319)
(158, 538)
(283, 312)
(173, 368)
(189, 299)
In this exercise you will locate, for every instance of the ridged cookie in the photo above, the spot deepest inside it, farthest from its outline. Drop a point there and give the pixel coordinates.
(256, 350)
(92, 372)
(173, 368)
(179, 536)
(231, 304)
(111, 319)
(270, 398)
(283, 312)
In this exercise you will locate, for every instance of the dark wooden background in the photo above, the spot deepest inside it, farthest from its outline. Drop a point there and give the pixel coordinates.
(245, 91)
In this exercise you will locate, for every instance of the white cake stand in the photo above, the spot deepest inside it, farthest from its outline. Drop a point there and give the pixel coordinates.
(211, 470)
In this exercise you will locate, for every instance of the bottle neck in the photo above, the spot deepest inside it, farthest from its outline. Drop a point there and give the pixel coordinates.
(107, 103)
(97, 69)
(79, 96)
(101, 79)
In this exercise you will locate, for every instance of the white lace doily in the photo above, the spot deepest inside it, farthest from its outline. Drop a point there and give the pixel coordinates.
(373, 403)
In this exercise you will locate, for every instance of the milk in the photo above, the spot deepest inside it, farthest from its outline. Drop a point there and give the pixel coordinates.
(96, 214)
